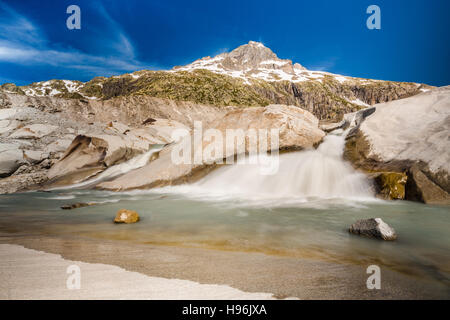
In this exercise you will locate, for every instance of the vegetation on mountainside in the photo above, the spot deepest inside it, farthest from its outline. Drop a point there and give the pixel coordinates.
(326, 97)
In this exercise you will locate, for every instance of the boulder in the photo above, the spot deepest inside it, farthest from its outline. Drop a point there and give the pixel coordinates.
(8, 113)
(118, 127)
(352, 120)
(33, 131)
(81, 160)
(405, 133)
(88, 155)
(421, 188)
(117, 148)
(298, 129)
(59, 145)
(126, 216)
(373, 228)
(22, 182)
(77, 205)
(34, 156)
(11, 157)
(7, 126)
(356, 118)
(328, 127)
(161, 129)
(45, 127)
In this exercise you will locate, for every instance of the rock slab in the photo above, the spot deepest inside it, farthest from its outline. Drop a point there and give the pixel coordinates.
(408, 135)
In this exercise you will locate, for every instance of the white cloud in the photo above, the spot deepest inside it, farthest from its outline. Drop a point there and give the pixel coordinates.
(22, 42)
(121, 43)
(28, 55)
(324, 65)
(15, 27)
(11, 54)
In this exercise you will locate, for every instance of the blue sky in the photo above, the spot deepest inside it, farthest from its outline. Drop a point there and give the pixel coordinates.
(123, 36)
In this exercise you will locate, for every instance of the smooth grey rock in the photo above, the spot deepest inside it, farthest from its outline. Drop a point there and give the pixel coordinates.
(333, 126)
(59, 145)
(34, 156)
(33, 131)
(354, 120)
(8, 125)
(408, 133)
(373, 228)
(11, 157)
(8, 113)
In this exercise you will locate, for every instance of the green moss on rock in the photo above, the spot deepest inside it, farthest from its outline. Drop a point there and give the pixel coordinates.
(11, 87)
(327, 99)
(390, 185)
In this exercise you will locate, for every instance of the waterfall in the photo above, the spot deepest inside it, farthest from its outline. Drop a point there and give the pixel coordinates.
(320, 173)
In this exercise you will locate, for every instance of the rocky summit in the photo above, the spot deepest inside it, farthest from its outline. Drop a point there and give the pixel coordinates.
(252, 60)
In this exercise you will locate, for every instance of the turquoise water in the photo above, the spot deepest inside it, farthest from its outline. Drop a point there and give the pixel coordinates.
(310, 228)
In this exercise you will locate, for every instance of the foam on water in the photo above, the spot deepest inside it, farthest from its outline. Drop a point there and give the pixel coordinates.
(304, 176)
(62, 197)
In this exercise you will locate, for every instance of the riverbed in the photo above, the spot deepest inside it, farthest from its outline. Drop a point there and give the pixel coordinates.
(312, 230)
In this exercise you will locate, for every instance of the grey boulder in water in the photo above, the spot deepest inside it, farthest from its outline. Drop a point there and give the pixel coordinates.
(373, 228)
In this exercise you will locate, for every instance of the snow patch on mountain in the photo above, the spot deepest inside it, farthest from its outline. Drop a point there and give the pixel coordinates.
(255, 61)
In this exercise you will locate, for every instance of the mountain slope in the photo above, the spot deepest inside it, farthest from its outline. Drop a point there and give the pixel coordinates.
(250, 75)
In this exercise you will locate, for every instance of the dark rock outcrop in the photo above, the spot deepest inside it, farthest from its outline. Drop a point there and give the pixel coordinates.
(420, 187)
(77, 205)
(390, 185)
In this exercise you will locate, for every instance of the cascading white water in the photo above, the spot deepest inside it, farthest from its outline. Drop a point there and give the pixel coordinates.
(118, 169)
(319, 173)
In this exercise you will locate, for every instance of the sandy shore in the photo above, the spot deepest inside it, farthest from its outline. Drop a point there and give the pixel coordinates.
(119, 270)
(31, 274)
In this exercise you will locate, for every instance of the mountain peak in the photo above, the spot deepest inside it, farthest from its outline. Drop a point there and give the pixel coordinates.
(251, 60)
(255, 43)
(249, 56)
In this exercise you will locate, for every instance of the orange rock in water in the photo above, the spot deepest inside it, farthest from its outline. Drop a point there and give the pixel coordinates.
(126, 216)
